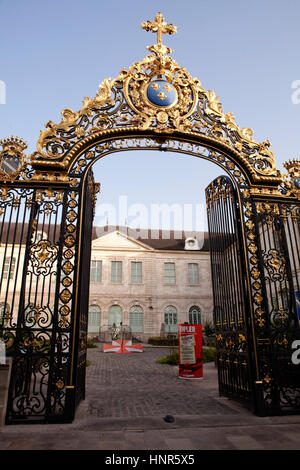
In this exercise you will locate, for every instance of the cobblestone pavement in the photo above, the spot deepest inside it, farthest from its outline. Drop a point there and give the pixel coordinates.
(127, 397)
(134, 385)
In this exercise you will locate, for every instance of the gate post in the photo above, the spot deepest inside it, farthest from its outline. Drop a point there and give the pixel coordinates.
(5, 370)
(70, 404)
(75, 391)
(260, 407)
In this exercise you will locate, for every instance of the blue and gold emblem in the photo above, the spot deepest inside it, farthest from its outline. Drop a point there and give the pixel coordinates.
(161, 93)
(12, 158)
(297, 182)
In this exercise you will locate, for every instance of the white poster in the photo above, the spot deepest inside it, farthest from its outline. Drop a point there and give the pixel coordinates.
(187, 349)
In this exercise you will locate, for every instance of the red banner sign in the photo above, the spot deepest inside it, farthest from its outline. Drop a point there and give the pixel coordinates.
(190, 351)
(122, 347)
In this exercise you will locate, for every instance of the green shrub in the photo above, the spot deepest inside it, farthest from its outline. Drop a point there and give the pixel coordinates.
(172, 359)
(209, 328)
(208, 355)
(161, 341)
(90, 344)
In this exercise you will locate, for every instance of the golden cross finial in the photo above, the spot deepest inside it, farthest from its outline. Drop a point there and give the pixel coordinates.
(160, 27)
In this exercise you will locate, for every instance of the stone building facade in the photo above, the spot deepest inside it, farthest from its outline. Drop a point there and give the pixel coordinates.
(150, 283)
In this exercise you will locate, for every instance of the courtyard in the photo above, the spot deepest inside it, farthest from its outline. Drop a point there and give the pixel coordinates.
(129, 395)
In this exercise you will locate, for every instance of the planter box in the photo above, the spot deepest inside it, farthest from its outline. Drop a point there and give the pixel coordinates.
(163, 341)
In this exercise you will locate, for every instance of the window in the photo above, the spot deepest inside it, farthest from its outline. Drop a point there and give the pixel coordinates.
(136, 271)
(195, 315)
(4, 312)
(94, 319)
(171, 319)
(285, 299)
(191, 244)
(193, 274)
(114, 315)
(277, 240)
(9, 268)
(218, 316)
(216, 274)
(96, 271)
(116, 271)
(278, 236)
(136, 319)
(170, 275)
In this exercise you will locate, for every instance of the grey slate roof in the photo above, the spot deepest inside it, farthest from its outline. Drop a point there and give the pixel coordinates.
(157, 239)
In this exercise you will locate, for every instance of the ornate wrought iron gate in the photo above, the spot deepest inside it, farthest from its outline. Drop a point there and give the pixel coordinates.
(277, 223)
(32, 256)
(231, 297)
(44, 297)
(46, 205)
(255, 333)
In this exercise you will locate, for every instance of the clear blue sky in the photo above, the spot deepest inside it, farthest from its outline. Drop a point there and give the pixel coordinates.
(54, 53)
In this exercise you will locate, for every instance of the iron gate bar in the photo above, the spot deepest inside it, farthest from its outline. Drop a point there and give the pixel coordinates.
(84, 294)
(56, 336)
(20, 317)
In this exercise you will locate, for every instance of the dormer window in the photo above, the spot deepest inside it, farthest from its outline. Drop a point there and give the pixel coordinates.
(191, 244)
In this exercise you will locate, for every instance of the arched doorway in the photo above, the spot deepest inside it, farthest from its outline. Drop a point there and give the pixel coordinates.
(195, 315)
(115, 315)
(154, 105)
(136, 319)
(171, 319)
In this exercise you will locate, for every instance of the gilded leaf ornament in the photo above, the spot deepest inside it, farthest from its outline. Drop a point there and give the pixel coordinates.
(70, 118)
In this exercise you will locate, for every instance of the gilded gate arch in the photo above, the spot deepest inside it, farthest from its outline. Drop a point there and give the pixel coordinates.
(46, 208)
